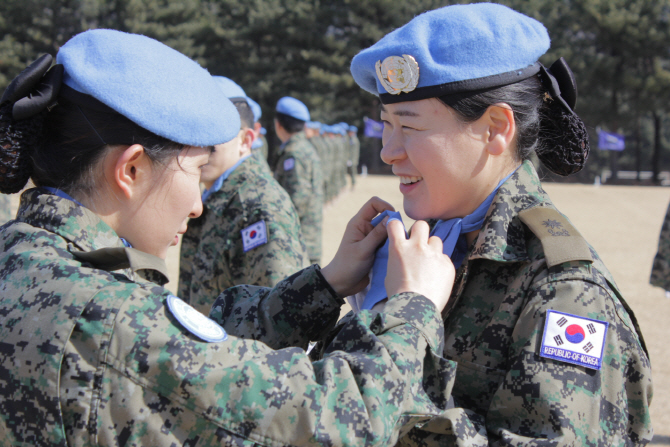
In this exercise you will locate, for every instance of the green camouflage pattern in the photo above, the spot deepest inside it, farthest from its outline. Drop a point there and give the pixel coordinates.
(660, 271)
(90, 356)
(504, 393)
(212, 256)
(304, 183)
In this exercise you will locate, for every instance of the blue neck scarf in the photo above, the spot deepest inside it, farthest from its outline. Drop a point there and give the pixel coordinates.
(218, 184)
(452, 232)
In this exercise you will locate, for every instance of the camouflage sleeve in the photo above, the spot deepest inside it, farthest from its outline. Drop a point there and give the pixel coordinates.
(301, 308)
(298, 184)
(265, 265)
(660, 272)
(161, 385)
(539, 398)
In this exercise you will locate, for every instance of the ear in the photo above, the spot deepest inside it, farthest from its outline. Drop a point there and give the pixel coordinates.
(248, 137)
(130, 168)
(502, 128)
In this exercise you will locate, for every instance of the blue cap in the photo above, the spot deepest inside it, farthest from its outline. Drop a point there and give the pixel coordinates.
(293, 108)
(313, 125)
(449, 50)
(151, 84)
(230, 88)
(353, 129)
(255, 109)
(263, 131)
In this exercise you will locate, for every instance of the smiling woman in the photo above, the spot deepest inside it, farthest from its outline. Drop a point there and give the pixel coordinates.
(546, 348)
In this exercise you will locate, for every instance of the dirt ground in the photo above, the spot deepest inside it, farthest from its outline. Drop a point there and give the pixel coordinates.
(621, 222)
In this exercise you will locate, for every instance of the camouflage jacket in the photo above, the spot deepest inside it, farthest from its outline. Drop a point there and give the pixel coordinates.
(5, 209)
(92, 354)
(298, 171)
(505, 392)
(660, 272)
(218, 250)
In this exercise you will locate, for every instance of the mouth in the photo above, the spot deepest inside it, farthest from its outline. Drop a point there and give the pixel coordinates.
(405, 180)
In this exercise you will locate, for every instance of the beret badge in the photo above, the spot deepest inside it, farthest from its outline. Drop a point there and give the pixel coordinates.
(398, 74)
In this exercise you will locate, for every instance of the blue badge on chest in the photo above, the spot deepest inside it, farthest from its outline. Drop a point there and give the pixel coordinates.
(195, 322)
(574, 339)
(289, 164)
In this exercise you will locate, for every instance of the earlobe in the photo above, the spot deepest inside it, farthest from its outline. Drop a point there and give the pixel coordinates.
(502, 129)
(128, 168)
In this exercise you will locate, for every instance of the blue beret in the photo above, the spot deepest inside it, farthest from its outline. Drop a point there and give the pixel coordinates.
(255, 109)
(151, 84)
(293, 108)
(263, 131)
(453, 49)
(313, 125)
(230, 88)
(353, 129)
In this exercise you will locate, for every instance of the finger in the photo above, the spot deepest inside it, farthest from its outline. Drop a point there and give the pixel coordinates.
(396, 232)
(373, 207)
(420, 231)
(374, 238)
(435, 242)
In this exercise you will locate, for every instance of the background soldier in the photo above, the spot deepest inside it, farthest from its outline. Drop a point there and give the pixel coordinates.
(249, 232)
(298, 170)
(660, 272)
(354, 153)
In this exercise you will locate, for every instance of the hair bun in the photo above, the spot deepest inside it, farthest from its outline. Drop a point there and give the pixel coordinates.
(566, 141)
(17, 141)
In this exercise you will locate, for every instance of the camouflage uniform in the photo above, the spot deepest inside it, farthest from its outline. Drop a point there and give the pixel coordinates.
(298, 171)
(213, 256)
(660, 272)
(352, 162)
(5, 209)
(261, 153)
(504, 393)
(91, 355)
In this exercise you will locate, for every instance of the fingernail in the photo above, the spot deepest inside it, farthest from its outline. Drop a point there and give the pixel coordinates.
(385, 221)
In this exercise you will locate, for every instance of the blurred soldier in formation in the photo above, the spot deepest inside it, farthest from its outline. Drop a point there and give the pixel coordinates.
(298, 170)
(354, 153)
(259, 148)
(660, 272)
(249, 231)
(5, 209)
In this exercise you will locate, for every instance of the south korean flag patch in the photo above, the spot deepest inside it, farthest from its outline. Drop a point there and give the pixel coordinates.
(289, 164)
(254, 235)
(574, 339)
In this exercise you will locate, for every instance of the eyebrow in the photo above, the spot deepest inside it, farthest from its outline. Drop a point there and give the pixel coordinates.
(399, 112)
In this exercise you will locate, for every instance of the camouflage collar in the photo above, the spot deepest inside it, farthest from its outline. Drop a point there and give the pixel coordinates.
(90, 239)
(292, 140)
(502, 237)
(219, 199)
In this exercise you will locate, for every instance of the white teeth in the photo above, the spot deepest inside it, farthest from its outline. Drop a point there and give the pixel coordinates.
(409, 180)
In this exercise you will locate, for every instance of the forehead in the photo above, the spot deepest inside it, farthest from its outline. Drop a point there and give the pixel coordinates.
(421, 108)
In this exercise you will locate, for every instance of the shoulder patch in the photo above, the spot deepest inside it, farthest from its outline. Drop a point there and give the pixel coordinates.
(195, 322)
(560, 240)
(254, 235)
(573, 339)
(289, 164)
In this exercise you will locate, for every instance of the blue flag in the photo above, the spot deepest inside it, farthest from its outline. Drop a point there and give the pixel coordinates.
(610, 141)
(373, 129)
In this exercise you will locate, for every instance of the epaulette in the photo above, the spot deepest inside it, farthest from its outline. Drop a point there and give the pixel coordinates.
(560, 240)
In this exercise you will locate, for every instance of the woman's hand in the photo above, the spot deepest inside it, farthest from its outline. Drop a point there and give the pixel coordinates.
(418, 265)
(348, 272)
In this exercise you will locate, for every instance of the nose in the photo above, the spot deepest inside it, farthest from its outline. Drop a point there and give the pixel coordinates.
(196, 211)
(393, 150)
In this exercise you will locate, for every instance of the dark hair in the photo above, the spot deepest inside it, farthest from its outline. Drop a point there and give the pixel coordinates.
(543, 125)
(60, 147)
(290, 124)
(246, 114)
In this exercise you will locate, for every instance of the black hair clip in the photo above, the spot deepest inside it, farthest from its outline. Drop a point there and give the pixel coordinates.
(34, 89)
(560, 83)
